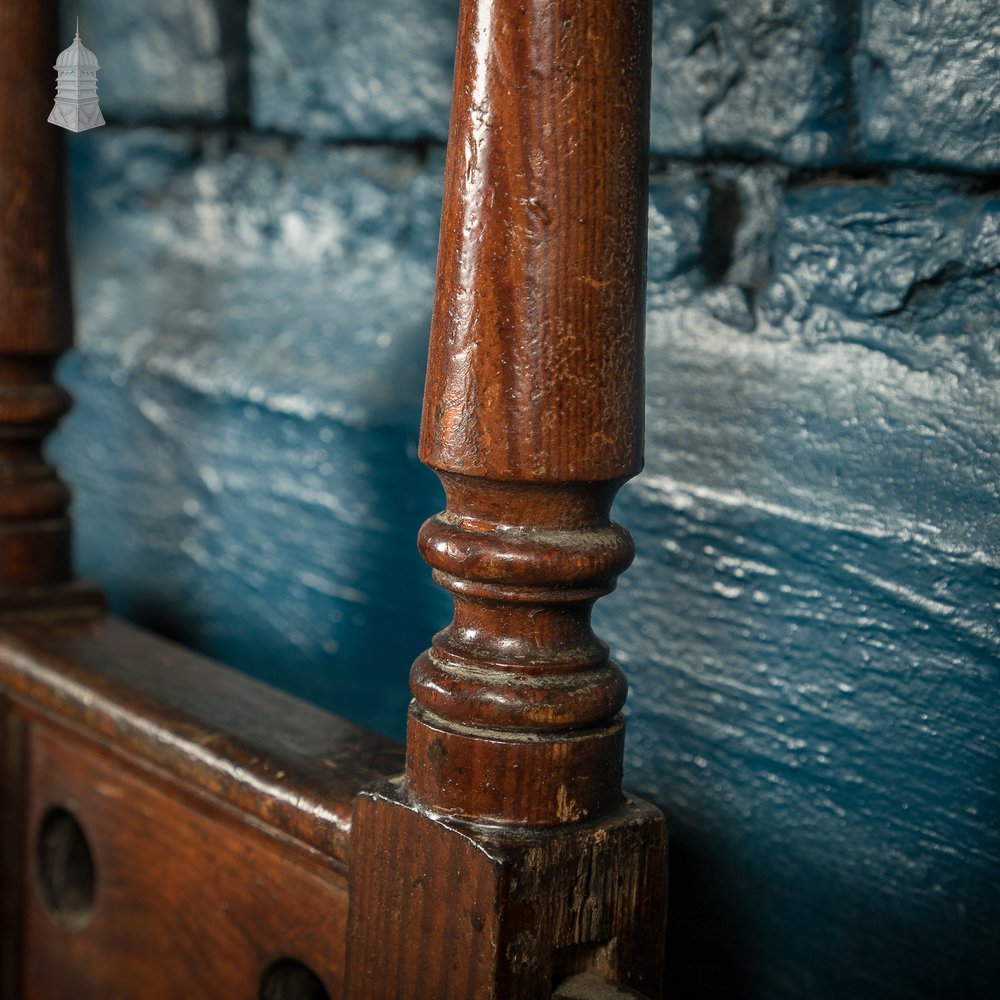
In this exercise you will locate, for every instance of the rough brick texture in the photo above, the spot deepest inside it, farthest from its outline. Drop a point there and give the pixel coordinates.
(928, 83)
(170, 60)
(347, 69)
(218, 267)
(761, 78)
(751, 78)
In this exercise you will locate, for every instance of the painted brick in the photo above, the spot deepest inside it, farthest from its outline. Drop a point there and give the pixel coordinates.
(910, 268)
(928, 83)
(809, 629)
(256, 313)
(343, 69)
(173, 60)
(278, 273)
(711, 235)
(751, 78)
(766, 78)
(679, 199)
(277, 543)
(811, 700)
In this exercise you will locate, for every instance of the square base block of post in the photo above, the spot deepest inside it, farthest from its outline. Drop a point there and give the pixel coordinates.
(446, 909)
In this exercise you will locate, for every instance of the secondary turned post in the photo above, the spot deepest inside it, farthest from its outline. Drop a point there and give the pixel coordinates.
(507, 862)
(533, 408)
(36, 577)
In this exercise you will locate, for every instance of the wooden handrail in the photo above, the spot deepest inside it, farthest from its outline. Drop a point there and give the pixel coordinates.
(288, 764)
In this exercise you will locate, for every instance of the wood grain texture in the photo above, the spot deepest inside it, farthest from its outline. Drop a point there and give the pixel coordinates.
(507, 860)
(533, 409)
(284, 763)
(217, 810)
(189, 900)
(36, 576)
(35, 308)
(492, 913)
(535, 364)
(587, 986)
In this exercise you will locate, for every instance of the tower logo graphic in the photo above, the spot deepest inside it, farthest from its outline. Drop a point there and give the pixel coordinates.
(76, 106)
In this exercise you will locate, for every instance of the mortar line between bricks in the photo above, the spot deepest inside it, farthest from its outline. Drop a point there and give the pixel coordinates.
(798, 174)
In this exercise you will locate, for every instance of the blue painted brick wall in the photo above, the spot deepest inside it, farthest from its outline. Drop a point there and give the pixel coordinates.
(810, 627)
(928, 83)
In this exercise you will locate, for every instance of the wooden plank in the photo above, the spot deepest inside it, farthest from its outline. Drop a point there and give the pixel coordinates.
(186, 900)
(281, 761)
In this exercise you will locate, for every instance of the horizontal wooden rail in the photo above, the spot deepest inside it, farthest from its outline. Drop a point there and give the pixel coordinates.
(170, 828)
(283, 762)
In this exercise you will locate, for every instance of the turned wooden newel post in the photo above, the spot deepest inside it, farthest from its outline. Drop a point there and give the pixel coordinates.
(36, 577)
(533, 409)
(508, 851)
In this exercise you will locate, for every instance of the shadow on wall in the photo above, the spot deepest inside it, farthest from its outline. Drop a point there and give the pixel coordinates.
(248, 386)
(219, 528)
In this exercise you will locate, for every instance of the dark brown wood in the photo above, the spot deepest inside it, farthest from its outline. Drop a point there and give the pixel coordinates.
(533, 408)
(188, 901)
(224, 826)
(507, 860)
(588, 986)
(282, 762)
(535, 363)
(13, 795)
(217, 811)
(36, 576)
(486, 913)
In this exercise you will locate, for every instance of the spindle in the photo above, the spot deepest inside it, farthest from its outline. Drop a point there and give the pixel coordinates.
(175, 829)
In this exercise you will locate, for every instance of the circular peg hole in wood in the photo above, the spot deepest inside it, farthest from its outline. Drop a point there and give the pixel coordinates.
(65, 870)
(288, 979)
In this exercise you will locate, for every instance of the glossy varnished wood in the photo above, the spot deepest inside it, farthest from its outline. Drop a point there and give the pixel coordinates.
(508, 860)
(533, 408)
(515, 718)
(218, 811)
(535, 363)
(279, 760)
(189, 901)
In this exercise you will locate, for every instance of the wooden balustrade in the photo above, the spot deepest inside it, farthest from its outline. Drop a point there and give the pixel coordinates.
(173, 829)
(511, 807)
(533, 409)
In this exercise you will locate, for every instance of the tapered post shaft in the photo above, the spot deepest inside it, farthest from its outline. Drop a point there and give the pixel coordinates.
(533, 408)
